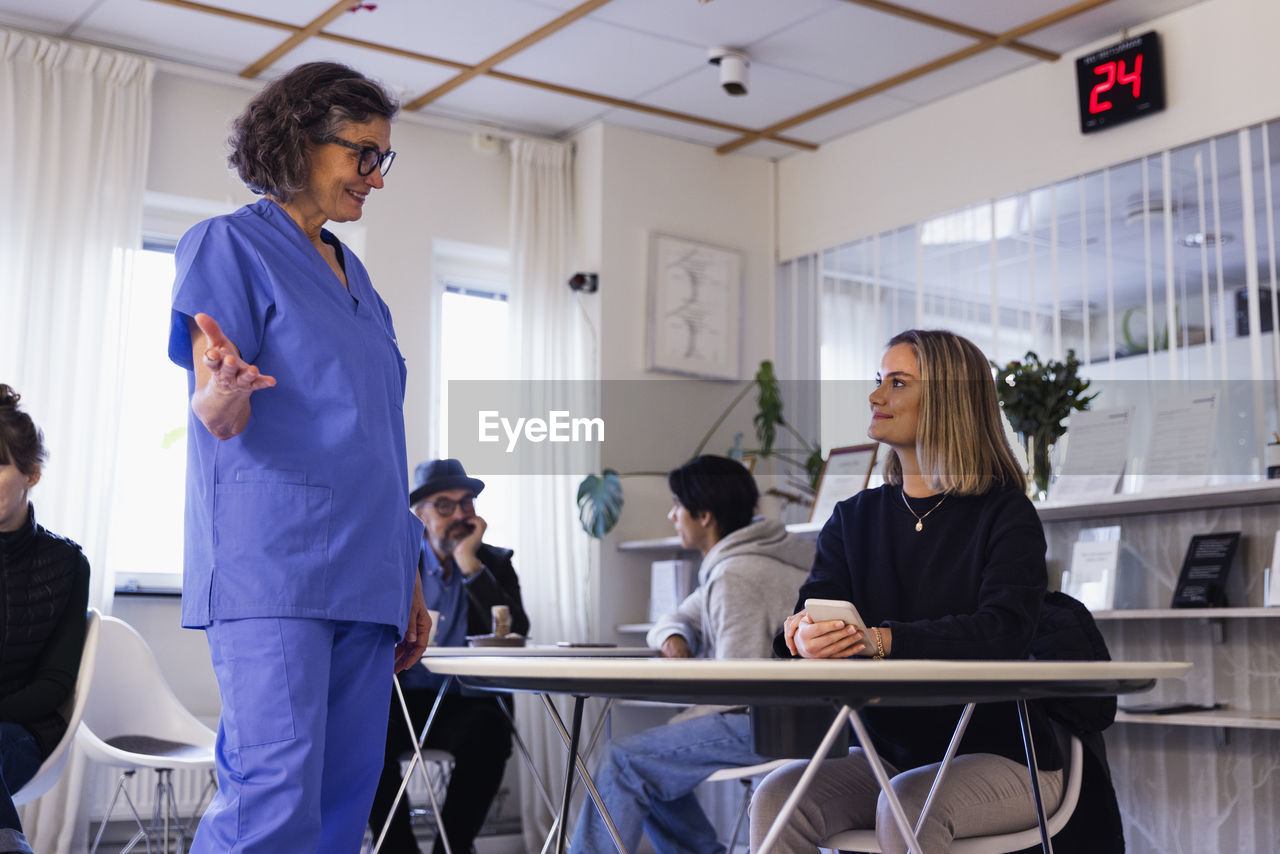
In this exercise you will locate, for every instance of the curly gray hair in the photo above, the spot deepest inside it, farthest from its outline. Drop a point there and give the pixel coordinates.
(269, 141)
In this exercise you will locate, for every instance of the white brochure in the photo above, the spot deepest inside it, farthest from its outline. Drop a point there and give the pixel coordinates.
(1095, 454)
(1180, 452)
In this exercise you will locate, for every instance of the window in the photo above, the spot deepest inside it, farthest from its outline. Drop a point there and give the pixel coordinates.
(144, 549)
(471, 343)
(1151, 271)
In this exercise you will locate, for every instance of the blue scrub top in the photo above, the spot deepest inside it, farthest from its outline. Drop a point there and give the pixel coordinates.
(305, 513)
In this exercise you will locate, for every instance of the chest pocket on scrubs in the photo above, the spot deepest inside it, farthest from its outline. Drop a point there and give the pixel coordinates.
(384, 366)
(273, 531)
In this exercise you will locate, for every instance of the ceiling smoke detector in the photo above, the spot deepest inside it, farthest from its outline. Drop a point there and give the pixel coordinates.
(733, 68)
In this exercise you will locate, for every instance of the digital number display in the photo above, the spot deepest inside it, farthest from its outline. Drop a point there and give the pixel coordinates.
(1119, 83)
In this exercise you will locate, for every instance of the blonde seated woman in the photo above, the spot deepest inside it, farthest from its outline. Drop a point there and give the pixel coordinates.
(945, 561)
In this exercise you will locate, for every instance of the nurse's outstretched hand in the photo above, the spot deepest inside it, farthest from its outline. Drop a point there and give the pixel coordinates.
(224, 381)
(410, 649)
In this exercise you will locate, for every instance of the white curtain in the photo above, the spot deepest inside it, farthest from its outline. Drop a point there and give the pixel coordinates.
(75, 125)
(551, 345)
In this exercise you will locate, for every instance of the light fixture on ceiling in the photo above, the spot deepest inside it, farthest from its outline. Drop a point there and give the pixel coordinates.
(733, 68)
(1199, 239)
(1137, 211)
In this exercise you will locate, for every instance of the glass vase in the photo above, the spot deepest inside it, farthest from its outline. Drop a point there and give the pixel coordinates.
(1039, 467)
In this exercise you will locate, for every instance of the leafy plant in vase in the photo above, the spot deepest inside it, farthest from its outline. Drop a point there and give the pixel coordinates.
(600, 497)
(1037, 397)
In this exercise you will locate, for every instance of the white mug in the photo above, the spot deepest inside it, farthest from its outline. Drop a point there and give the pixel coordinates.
(435, 622)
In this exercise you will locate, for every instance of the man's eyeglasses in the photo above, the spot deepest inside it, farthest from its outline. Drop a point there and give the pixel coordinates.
(370, 157)
(446, 506)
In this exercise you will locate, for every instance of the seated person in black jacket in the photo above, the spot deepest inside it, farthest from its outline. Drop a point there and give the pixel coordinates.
(44, 591)
(462, 579)
(945, 561)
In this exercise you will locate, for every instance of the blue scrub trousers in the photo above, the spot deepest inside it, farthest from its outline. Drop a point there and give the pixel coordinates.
(300, 740)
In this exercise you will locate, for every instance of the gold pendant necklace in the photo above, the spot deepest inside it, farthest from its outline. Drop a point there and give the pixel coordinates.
(919, 518)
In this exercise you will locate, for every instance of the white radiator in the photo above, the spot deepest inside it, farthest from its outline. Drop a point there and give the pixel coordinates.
(188, 785)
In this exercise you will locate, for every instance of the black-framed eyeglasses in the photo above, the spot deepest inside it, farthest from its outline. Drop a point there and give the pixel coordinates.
(446, 506)
(370, 158)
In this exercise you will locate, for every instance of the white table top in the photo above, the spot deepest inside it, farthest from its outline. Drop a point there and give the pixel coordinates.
(539, 651)
(913, 682)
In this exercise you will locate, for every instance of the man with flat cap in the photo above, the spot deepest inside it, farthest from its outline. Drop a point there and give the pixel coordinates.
(462, 579)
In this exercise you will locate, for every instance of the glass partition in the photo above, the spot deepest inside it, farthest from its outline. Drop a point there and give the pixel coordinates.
(1160, 273)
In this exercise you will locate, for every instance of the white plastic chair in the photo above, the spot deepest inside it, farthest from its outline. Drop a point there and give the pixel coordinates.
(747, 775)
(133, 720)
(1000, 843)
(72, 710)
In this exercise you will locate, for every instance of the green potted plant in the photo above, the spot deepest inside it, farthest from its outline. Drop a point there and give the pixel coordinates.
(600, 497)
(1037, 397)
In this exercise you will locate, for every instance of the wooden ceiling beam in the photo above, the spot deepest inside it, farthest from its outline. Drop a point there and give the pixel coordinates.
(486, 65)
(636, 106)
(326, 18)
(620, 103)
(954, 27)
(912, 73)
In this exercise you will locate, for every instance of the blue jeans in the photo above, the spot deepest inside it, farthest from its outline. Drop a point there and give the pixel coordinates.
(647, 780)
(19, 761)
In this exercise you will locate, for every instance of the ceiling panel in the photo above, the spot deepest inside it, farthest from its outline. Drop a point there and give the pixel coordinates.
(994, 16)
(518, 107)
(686, 131)
(855, 46)
(296, 12)
(856, 116)
(468, 31)
(607, 59)
(768, 149)
(773, 94)
(804, 53)
(178, 34)
(407, 78)
(730, 23)
(1105, 23)
(962, 75)
(50, 16)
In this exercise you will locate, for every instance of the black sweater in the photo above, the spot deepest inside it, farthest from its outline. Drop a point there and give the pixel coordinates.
(44, 593)
(967, 586)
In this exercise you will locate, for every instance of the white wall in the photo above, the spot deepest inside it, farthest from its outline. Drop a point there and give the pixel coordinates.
(628, 184)
(1022, 131)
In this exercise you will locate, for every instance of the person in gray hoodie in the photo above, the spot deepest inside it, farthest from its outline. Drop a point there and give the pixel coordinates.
(747, 583)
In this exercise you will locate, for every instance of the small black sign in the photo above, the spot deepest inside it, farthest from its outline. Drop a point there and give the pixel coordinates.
(1119, 83)
(1202, 582)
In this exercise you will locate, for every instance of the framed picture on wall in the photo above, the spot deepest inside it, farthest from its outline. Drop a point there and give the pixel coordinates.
(846, 471)
(695, 308)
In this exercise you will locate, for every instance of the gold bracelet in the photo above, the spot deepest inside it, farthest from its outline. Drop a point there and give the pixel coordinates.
(879, 656)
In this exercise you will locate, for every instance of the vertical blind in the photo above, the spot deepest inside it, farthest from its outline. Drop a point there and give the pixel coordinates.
(1159, 273)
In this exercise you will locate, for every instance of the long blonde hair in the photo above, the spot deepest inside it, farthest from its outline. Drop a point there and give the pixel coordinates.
(960, 440)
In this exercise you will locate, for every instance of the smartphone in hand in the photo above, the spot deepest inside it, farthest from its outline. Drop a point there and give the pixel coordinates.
(821, 610)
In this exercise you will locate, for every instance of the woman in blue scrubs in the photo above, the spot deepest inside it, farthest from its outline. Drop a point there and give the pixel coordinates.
(300, 548)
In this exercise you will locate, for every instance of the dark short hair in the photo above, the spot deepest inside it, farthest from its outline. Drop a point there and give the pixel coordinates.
(270, 140)
(21, 442)
(718, 484)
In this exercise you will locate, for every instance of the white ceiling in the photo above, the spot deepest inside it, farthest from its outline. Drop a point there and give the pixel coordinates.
(804, 53)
